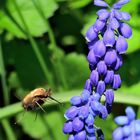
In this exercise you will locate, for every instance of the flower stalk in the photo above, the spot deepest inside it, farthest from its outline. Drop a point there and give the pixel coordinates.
(107, 43)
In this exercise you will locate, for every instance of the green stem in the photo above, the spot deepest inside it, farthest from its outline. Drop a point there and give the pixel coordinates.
(138, 112)
(8, 130)
(59, 66)
(34, 45)
(3, 78)
(16, 108)
(5, 123)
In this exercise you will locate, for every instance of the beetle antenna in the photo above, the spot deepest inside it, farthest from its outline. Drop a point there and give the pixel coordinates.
(40, 106)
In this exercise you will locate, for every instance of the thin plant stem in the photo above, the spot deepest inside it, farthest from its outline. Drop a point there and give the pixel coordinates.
(59, 66)
(36, 50)
(3, 78)
(5, 123)
(8, 130)
(16, 108)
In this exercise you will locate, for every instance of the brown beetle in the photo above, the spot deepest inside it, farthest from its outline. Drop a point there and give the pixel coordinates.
(36, 98)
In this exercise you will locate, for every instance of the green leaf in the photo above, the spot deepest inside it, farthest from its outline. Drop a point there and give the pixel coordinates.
(16, 108)
(133, 42)
(131, 7)
(76, 69)
(33, 19)
(38, 127)
(78, 3)
(107, 126)
(134, 89)
(48, 125)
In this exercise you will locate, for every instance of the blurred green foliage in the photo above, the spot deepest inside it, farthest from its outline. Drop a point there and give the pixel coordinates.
(42, 44)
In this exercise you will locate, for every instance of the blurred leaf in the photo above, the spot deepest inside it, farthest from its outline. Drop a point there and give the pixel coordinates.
(107, 126)
(13, 80)
(78, 3)
(130, 71)
(12, 110)
(76, 67)
(20, 56)
(134, 89)
(45, 126)
(11, 21)
(35, 128)
(133, 42)
(131, 7)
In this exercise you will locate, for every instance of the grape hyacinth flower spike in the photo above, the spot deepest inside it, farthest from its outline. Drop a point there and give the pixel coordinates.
(129, 128)
(106, 40)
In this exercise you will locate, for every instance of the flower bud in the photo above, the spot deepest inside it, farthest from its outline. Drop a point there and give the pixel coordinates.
(89, 120)
(88, 87)
(99, 49)
(71, 137)
(109, 94)
(126, 131)
(83, 112)
(118, 15)
(92, 43)
(110, 57)
(91, 137)
(76, 100)
(100, 3)
(122, 2)
(80, 136)
(71, 112)
(109, 77)
(130, 113)
(95, 105)
(109, 37)
(118, 134)
(101, 68)
(94, 77)
(67, 127)
(121, 45)
(118, 63)
(100, 87)
(103, 14)
(99, 25)
(85, 95)
(91, 34)
(77, 124)
(95, 96)
(125, 16)
(137, 128)
(116, 82)
(103, 112)
(125, 30)
(92, 59)
(121, 120)
(114, 24)
(90, 129)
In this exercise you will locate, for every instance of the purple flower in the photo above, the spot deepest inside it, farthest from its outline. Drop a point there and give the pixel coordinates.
(106, 43)
(91, 34)
(109, 37)
(110, 57)
(99, 49)
(125, 30)
(129, 127)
